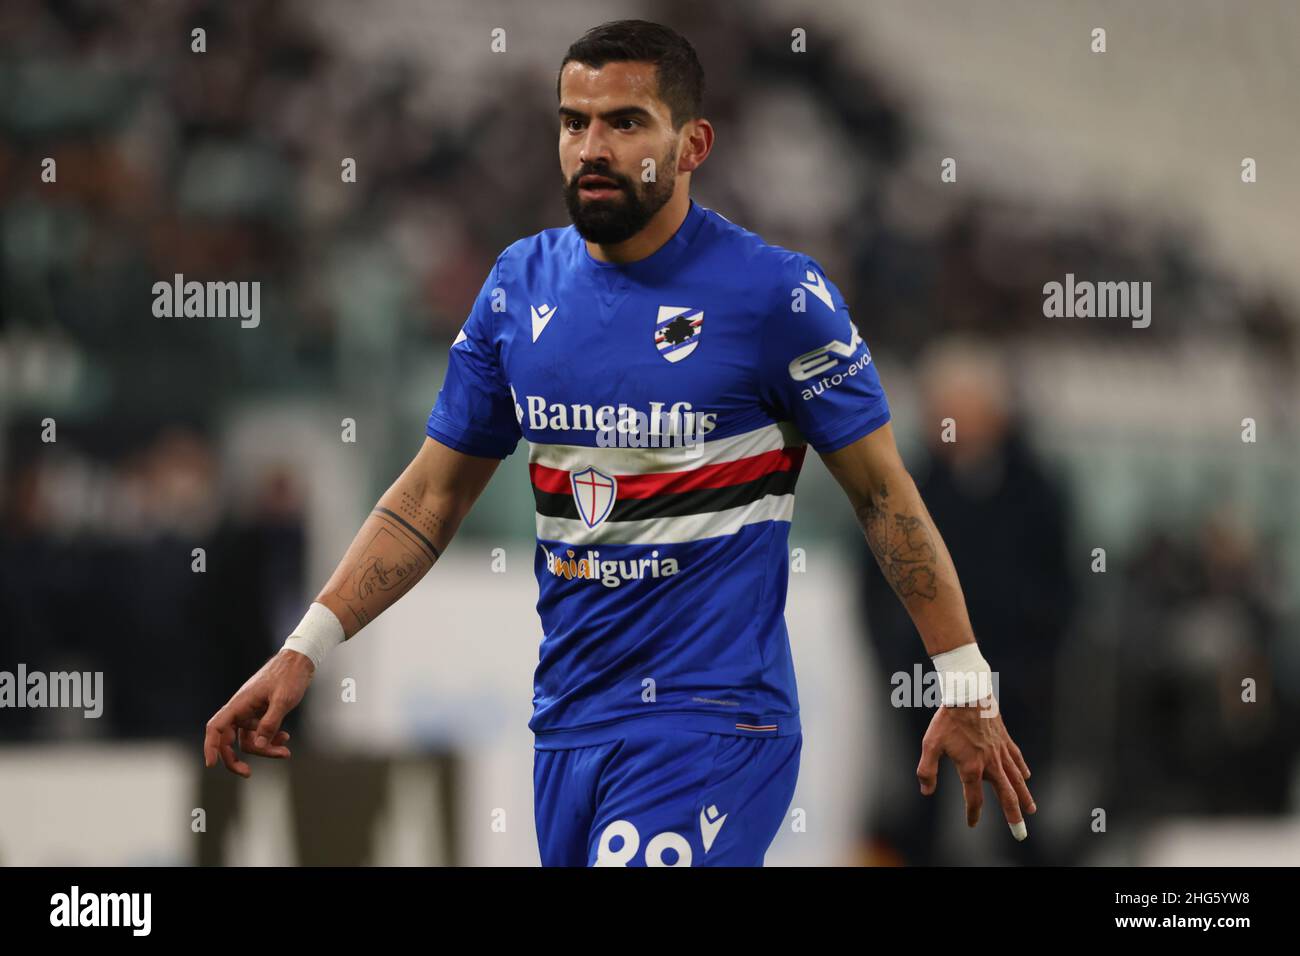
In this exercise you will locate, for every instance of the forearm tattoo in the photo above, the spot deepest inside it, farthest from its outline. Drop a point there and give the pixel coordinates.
(903, 547)
(411, 505)
(392, 561)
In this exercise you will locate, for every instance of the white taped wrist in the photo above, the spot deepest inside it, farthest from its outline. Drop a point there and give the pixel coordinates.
(965, 678)
(318, 631)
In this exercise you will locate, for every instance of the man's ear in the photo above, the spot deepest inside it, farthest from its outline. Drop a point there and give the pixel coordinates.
(699, 140)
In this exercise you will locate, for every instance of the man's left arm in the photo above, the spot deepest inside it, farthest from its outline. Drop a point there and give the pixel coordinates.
(916, 563)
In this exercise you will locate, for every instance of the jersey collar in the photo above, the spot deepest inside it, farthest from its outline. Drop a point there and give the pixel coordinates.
(657, 261)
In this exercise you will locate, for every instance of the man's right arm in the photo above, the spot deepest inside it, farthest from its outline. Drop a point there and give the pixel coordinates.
(407, 531)
(409, 528)
(473, 425)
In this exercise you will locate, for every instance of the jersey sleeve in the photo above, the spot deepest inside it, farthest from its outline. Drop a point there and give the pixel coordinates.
(815, 368)
(475, 409)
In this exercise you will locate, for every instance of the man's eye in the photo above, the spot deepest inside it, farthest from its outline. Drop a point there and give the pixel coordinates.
(573, 125)
(629, 121)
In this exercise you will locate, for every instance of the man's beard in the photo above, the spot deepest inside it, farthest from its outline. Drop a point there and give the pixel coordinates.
(611, 221)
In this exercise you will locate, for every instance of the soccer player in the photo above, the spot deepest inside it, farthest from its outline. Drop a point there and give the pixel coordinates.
(668, 370)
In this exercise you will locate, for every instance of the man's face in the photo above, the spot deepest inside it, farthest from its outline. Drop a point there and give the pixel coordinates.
(611, 121)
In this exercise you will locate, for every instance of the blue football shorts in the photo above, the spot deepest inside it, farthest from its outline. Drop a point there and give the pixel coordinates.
(664, 797)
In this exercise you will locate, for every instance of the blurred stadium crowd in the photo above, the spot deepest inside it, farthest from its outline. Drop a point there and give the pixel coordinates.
(226, 165)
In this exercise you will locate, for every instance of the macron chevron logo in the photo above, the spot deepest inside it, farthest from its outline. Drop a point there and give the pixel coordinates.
(711, 822)
(818, 288)
(541, 315)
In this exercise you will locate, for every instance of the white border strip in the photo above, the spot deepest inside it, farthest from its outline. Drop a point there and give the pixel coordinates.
(673, 530)
(641, 461)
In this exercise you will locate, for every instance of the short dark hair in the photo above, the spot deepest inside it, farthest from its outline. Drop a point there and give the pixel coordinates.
(679, 76)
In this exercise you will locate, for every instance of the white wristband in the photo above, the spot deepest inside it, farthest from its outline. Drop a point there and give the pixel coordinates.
(965, 678)
(318, 631)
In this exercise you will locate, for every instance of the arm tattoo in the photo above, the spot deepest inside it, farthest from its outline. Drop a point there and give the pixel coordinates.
(392, 561)
(412, 531)
(902, 546)
(411, 505)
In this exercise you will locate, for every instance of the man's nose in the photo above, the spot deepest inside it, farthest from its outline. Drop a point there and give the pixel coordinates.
(595, 145)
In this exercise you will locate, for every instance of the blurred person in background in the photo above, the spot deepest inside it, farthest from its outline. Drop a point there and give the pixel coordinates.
(98, 571)
(1207, 706)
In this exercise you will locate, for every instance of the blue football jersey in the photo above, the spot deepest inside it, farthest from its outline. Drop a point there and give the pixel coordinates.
(667, 405)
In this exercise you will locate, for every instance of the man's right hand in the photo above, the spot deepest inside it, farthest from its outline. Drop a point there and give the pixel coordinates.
(255, 713)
